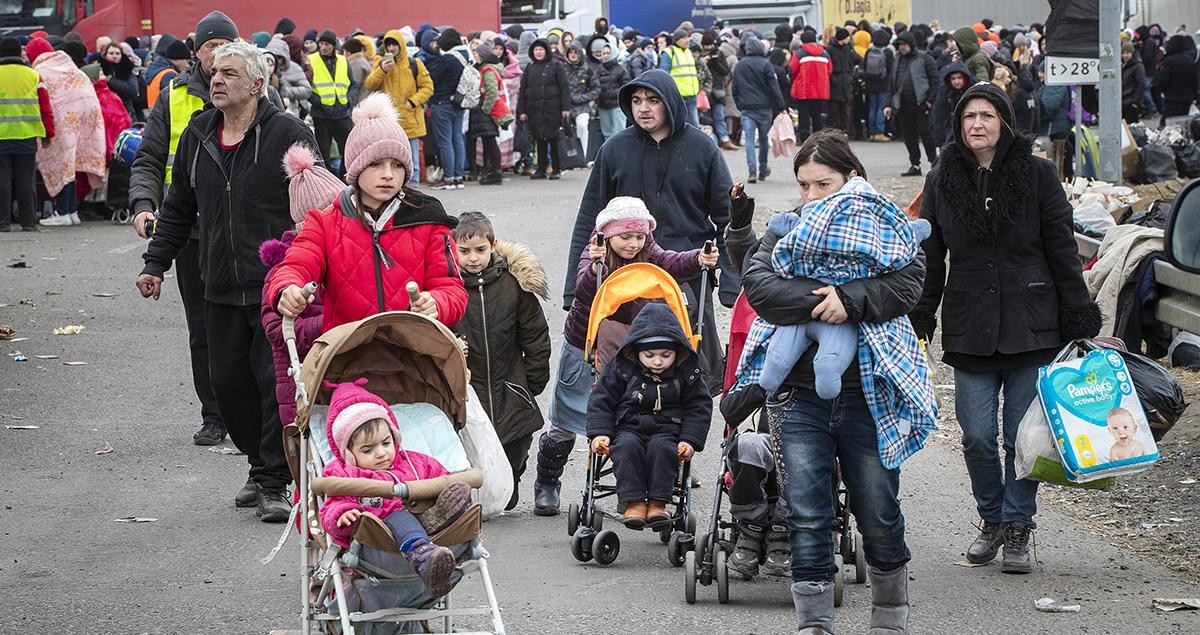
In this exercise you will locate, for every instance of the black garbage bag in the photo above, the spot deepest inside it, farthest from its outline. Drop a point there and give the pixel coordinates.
(1194, 127)
(1159, 391)
(1187, 160)
(1158, 163)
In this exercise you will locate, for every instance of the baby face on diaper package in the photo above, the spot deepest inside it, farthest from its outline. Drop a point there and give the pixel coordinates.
(1098, 422)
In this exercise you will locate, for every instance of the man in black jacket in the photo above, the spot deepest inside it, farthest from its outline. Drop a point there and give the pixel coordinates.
(150, 177)
(914, 85)
(756, 93)
(229, 182)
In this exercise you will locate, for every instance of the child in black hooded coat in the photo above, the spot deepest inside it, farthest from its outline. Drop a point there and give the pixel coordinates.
(650, 409)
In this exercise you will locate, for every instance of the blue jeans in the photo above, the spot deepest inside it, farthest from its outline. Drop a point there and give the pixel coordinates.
(876, 103)
(415, 144)
(404, 526)
(452, 147)
(756, 122)
(816, 439)
(720, 126)
(65, 202)
(692, 115)
(999, 495)
(612, 121)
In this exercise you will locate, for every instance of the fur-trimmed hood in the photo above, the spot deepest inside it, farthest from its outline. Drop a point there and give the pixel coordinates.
(524, 265)
(999, 192)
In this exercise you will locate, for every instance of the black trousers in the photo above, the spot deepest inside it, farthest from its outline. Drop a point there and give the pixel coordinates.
(491, 156)
(839, 116)
(191, 291)
(243, 380)
(646, 466)
(914, 125)
(327, 130)
(810, 117)
(547, 151)
(517, 452)
(17, 181)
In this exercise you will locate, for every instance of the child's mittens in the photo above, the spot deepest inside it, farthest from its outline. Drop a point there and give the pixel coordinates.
(783, 223)
(685, 450)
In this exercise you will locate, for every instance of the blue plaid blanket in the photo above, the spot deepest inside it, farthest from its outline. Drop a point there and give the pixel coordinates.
(858, 233)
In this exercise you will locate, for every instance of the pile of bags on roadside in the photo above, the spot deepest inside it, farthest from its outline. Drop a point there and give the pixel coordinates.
(1098, 205)
(1099, 414)
(1173, 151)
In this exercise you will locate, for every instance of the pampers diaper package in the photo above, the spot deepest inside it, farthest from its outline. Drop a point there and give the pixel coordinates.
(1098, 423)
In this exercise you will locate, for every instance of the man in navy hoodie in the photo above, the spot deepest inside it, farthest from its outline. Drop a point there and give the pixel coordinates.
(683, 179)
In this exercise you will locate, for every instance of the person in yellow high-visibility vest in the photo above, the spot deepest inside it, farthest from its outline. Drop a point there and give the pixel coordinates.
(332, 97)
(25, 115)
(679, 62)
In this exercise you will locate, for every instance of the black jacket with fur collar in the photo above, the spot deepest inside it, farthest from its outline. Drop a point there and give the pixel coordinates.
(1015, 292)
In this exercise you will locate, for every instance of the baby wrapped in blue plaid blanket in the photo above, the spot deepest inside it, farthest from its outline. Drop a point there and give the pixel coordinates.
(853, 234)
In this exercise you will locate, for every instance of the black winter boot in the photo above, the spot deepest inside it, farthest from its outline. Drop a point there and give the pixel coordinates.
(779, 552)
(552, 456)
(749, 548)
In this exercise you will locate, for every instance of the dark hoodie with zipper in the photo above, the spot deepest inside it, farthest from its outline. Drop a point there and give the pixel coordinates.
(683, 180)
(237, 208)
(1015, 292)
(629, 396)
(947, 98)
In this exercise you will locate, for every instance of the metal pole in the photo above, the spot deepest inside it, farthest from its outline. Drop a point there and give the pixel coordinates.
(1077, 96)
(1109, 138)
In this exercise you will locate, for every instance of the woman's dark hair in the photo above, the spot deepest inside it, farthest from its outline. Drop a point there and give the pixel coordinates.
(829, 147)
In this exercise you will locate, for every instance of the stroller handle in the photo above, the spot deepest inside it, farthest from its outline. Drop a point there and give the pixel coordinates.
(413, 291)
(289, 323)
(424, 489)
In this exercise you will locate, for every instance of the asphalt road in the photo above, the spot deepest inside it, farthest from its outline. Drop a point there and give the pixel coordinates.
(68, 567)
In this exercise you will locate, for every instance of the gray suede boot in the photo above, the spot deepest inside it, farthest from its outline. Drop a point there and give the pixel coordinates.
(889, 601)
(814, 607)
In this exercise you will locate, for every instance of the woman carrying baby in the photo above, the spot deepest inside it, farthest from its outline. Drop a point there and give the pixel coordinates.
(1014, 295)
(849, 259)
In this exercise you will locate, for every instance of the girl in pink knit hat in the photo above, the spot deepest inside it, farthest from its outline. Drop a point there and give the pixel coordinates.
(365, 440)
(376, 236)
(624, 229)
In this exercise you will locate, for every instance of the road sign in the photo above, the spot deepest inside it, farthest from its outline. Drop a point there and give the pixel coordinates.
(1072, 71)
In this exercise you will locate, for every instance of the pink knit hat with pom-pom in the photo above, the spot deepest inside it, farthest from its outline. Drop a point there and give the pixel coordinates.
(310, 186)
(350, 406)
(376, 135)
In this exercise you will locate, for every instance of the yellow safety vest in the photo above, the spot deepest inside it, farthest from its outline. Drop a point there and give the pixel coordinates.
(183, 106)
(330, 89)
(683, 71)
(20, 115)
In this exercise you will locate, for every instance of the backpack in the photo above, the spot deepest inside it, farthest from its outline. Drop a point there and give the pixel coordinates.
(875, 66)
(467, 96)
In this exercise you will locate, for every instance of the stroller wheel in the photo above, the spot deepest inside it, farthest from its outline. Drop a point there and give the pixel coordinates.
(690, 527)
(122, 216)
(581, 547)
(572, 519)
(664, 534)
(606, 547)
(676, 547)
(860, 561)
(722, 578)
(689, 577)
(839, 581)
(597, 521)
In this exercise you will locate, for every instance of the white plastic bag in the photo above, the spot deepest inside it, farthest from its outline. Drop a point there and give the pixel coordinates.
(1037, 458)
(486, 454)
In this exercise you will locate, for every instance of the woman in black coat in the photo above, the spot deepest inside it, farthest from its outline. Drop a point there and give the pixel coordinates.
(545, 102)
(1014, 296)
(1176, 79)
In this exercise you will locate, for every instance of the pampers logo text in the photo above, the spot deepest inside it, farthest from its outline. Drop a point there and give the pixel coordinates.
(1092, 391)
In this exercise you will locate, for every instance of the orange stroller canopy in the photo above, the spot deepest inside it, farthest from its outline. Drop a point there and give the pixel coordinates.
(640, 280)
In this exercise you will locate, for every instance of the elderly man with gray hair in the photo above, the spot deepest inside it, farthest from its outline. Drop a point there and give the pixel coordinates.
(229, 182)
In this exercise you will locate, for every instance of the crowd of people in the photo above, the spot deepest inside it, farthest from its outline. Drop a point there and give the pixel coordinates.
(246, 237)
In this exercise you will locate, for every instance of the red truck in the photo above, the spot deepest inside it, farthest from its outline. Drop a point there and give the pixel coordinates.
(123, 18)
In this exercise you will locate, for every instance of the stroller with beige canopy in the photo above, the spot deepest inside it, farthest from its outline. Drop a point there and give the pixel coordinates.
(413, 363)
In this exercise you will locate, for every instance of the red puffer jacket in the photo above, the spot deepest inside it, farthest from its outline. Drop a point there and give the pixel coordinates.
(361, 273)
(810, 72)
